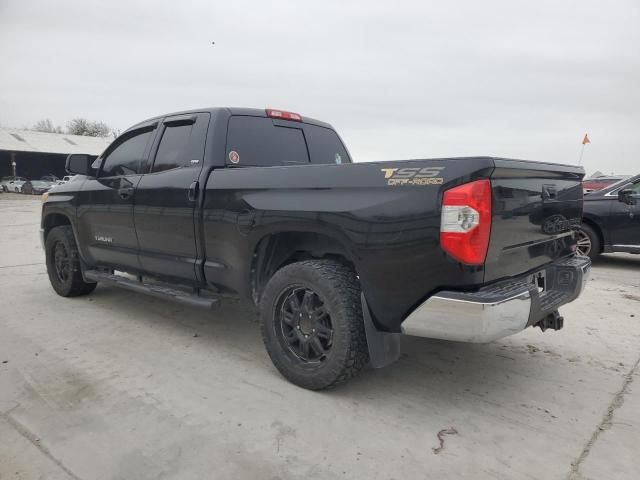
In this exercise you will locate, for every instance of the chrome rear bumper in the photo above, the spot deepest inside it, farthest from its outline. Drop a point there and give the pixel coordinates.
(501, 309)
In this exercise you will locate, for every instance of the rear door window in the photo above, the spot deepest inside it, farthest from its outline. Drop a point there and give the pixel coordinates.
(325, 145)
(173, 151)
(258, 141)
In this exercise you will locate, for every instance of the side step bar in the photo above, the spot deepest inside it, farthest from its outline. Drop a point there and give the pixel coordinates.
(154, 290)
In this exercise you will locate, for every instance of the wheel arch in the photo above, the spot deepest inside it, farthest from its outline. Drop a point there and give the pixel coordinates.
(52, 220)
(275, 250)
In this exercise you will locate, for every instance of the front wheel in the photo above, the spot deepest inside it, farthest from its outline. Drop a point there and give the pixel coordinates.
(63, 263)
(312, 325)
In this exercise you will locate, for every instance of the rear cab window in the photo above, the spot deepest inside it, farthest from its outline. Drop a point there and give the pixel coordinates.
(261, 141)
(325, 147)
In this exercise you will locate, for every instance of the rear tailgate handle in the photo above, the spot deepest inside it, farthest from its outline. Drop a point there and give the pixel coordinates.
(192, 194)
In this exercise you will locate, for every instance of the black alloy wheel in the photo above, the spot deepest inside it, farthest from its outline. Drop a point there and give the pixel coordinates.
(305, 324)
(62, 262)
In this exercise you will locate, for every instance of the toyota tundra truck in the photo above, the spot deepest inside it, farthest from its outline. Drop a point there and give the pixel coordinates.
(340, 258)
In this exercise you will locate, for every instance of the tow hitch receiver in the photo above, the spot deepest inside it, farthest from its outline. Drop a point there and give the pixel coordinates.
(553, 321)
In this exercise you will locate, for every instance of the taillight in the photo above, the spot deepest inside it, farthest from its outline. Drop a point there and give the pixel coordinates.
(281, 114)
(465, 224)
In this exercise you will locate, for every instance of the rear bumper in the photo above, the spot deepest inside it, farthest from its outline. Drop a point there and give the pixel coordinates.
(500, 309)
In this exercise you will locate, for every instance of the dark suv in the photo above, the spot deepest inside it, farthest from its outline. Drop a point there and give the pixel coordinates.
(611, 219)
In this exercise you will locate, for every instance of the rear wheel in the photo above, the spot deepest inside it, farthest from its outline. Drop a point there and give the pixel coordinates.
(588, 244)
(63, 263)
(312, 326)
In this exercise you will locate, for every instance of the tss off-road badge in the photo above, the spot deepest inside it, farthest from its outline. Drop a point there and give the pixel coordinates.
(413, 176)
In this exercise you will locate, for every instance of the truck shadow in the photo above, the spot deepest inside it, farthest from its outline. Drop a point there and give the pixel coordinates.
(618, 261)
(431, 375)
(450, 374)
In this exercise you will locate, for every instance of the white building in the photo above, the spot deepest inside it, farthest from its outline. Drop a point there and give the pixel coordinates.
(39, 153)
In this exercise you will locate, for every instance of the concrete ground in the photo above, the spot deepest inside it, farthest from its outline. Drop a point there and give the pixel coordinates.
(118, 385)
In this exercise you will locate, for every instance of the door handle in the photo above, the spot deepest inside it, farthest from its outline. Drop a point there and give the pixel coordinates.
(125, 192)
(192, 194)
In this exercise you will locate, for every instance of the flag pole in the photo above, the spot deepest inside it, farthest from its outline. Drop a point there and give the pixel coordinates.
(585, 140)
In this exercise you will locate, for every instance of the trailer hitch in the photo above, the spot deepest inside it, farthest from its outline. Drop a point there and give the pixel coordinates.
(553, 321)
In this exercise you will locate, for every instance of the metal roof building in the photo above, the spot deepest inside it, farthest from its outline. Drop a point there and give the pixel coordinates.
(39, 153)
(15, 140)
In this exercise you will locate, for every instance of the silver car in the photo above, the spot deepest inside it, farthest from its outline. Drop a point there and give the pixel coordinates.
(12, 184)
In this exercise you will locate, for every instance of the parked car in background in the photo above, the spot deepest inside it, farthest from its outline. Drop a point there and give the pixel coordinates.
(65, 179)
(4, 183)
(36, 187)
(50, 178)
(611, 219)
(598, 183)
(12, 184)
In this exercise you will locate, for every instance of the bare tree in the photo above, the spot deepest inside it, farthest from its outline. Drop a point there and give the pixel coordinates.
(82, 126)
(46, 125)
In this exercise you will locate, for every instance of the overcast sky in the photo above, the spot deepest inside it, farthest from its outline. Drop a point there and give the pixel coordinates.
(397, 79)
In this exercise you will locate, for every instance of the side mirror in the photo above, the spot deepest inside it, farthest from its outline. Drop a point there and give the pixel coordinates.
(80, 164)
(625, 194)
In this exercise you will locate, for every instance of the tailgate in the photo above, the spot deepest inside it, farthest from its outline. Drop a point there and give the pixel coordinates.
(535, 207)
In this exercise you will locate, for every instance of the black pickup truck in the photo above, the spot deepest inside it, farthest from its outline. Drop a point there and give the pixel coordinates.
(341, 258)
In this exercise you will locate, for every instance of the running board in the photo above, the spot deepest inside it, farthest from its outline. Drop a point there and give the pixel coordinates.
(154, 290)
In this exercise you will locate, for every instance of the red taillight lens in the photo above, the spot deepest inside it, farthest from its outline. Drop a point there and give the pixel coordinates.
(281, 114)
(465, 224)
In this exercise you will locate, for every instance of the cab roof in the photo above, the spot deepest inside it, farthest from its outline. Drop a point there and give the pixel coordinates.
(228, 111)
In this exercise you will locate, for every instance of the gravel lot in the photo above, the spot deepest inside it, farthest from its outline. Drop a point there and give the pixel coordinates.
(122, 386)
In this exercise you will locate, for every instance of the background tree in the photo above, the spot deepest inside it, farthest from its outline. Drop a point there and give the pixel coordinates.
(82, 126)
(46, 125)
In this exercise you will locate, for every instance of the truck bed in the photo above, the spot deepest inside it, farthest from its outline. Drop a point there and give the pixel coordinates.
(386, 217)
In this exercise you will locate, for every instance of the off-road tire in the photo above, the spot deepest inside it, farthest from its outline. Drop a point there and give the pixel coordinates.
(72, 284)
(339, 289)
